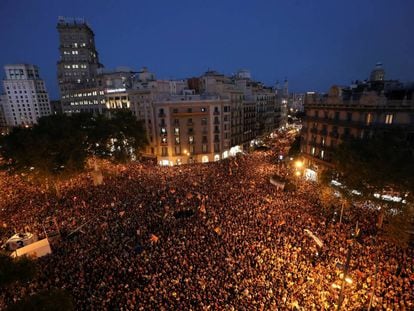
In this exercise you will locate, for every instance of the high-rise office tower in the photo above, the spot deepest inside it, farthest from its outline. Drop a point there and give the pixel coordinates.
(78, 65)
(26, 98)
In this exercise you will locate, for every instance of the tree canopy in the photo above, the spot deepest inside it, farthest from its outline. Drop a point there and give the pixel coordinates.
(52, 300)
(60, 144)
(384, 162)
(18, 269)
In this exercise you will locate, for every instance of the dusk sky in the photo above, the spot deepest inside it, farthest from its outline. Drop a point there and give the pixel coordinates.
(315, 44)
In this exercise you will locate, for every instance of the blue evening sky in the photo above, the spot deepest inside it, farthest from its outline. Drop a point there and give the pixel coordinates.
(314, 43)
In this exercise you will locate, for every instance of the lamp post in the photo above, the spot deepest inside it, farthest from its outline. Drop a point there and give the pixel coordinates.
(346, 268)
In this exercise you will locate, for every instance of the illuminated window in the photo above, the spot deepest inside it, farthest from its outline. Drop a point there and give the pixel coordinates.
(177, 140)
(388, 118)
(163, 130)
(322, 153)
(176, 131)
(190, 139)
(368, 118)
(313, 151)
(164, 140)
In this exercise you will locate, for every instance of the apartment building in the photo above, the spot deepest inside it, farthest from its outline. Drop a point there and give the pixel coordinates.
(356, 111)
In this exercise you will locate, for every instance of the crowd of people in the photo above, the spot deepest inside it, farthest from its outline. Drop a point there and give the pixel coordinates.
(215, 236)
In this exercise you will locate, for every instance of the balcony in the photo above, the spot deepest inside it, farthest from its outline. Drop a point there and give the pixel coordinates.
(334, 134)
(346, 136)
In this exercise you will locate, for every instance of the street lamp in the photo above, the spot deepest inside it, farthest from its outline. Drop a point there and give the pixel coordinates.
(298, 164)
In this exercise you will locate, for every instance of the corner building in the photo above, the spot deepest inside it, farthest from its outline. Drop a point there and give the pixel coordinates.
(358, 111)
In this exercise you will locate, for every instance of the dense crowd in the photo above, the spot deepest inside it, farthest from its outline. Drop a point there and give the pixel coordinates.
(214, 236)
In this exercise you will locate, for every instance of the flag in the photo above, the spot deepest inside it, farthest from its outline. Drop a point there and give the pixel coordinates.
(315, 238)
(154, 238)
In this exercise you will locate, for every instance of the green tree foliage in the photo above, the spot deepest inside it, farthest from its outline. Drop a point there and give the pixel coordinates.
(117, 137)
(53, 300)
(295, 147)
(60, 144)
(53, 146)
(15, 269)
(386, 161)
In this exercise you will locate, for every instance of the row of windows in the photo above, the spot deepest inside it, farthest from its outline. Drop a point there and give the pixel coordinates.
(369, 117)
(75, 66)
(191, 150)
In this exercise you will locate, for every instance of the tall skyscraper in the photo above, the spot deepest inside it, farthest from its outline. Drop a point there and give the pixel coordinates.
(78, 65)
(26, 97)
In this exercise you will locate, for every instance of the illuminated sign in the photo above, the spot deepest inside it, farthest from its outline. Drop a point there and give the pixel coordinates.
(115, 90)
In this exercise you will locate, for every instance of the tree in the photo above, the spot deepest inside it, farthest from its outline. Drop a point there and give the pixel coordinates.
(295, 147)
(381, 164)
(15, 269)
(52, 300)
(119, 137)
(59, 145)
(374, 165)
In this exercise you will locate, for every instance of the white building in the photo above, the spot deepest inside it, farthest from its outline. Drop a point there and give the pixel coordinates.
(26, 97)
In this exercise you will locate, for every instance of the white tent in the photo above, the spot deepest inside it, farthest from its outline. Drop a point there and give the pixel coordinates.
(36, 249)
(19, 240)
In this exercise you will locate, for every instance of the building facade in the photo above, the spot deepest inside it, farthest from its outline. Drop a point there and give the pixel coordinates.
(78, 67)
(26, 98)
(357, 111)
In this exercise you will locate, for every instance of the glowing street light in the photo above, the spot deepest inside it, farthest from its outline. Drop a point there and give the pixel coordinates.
(298, 164)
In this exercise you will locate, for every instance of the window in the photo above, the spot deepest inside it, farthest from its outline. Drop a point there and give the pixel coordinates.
(204, 121)
(388, 118)
(176, 131)
(203, 109)
(313, 151)
(322, 153)
(163, 130)
(336, 115)
(191, 149)
(204, 148)
(189, 110)
(164, 140)
(177, 150)
(164, 151)
(216, 147)
(349, 116)
(190, 139)
(368, 118)
(177, 140)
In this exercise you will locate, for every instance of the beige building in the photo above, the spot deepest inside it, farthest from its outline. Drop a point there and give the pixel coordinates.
(190, 130)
